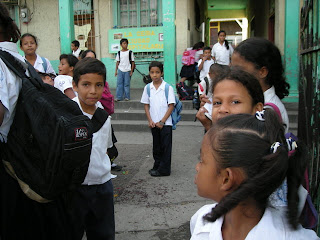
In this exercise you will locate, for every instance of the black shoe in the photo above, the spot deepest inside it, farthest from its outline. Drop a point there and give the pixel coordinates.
(117, 168)
(151, 170)
(156, 173)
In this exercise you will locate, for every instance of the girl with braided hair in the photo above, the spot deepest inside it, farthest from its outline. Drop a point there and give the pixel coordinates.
(244, 159)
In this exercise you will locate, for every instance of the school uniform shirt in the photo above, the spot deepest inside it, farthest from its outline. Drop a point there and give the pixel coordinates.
(221, 54)
(10, 86)
(124, 65)
(158, 102)
(271, 226)
(38, 65)
(63, 82)
(99, 166)
(271, 97)
(205, 69)
(76, 53)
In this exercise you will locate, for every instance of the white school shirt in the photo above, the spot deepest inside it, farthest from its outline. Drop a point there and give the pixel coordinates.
(158, 102)
(271, 97)
(272, 225)
(124, 65)
(38, 65)
(10, 86)
(76, 53)
(221, 54)
(202, 87)
(205, 69)
(99, 166)
(63, 82)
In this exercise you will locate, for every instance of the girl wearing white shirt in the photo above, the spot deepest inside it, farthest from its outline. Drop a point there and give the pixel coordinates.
(222, 51)
(29, 45)
(244, 158)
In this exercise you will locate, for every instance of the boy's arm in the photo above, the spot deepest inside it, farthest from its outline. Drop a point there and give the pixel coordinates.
(200, 66)
(166, 116)
(132, 67)
(146, 109)
(117, 64)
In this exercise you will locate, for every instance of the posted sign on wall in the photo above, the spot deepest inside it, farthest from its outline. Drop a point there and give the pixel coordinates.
(149, 39)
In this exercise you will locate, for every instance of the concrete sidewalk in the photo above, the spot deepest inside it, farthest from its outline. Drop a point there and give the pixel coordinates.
(156, 208)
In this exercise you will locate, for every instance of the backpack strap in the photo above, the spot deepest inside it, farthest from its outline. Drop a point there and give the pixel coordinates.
(275, 108)
(207, 84)
(148, 89)
(99, 117)
(166, 91)
(119, 55)
(44, 64)
(130, 57)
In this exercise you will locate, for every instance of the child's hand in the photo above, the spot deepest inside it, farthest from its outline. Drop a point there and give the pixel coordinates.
(204, 99)
(115, 74)
(131, 74)
(152, 124)
(158, 125)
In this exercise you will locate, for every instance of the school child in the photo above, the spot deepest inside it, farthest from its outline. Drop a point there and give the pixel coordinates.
(244, 159)
(158, 110)
(205, 62)
(88, 53)
(222, 50)
(29, 45)
(76, 51)
(93, 208)
(47, 78)
(21, 217)
(64, 81)
(124, 69)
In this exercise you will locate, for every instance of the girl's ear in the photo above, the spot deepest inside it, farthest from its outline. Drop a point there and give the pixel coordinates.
(263, 72)
(258, 107)
(231, 178)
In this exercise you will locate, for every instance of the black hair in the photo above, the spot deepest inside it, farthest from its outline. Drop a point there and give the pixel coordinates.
(156, 64)
(89, 65)
(263, 53)
(124, 40)
(207, 48)
(28, 35)
(71, 59)
(84, 54)
(217, 70)
(249, 81)
(76, 43)
(9, 29)
(226, 43)
(243, 141)
(198, 46)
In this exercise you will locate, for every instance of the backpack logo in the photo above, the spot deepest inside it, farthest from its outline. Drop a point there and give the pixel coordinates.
(81, 134)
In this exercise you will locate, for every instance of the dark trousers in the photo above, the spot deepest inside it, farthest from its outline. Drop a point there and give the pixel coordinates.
(93, 212)
(162, 148)
(23, 218)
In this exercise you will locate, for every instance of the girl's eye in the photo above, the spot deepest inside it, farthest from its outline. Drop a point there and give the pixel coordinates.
(235, 101)
(216, 103)
(99, 84)
(85, 84)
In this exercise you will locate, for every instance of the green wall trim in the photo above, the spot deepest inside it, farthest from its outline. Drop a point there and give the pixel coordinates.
(291, 47)
(66, 23)
(169, 41)
(55, 64)
(115, 12)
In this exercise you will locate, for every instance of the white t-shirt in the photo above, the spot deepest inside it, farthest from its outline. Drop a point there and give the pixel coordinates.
(10, 86)
(99, 166)
(124, 65)
(38, 65)
(221, 54)
(63, 82)
(271, 97)
(206, 67)
(158, 102)
(76, 53)
(272, 225)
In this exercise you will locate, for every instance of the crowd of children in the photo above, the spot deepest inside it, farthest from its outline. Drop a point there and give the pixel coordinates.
(244, 153)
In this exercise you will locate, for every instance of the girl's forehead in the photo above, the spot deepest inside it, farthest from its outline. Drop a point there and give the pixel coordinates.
(155, 69)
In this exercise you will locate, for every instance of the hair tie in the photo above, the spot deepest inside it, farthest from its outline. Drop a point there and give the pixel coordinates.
(275, 146)
(260, 115)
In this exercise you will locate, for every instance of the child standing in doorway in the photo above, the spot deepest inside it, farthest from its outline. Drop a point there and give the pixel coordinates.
(205, 62)
(158, 110)
(124, 70)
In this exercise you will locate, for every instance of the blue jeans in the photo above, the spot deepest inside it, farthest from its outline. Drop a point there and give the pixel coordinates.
(123, 85)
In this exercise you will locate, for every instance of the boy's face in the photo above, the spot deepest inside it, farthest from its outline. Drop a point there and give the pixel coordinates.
(155, 74)
(207, 54)
(124, 45)
(73, 47)
(90, 88)
(64, 67)
(48, 80)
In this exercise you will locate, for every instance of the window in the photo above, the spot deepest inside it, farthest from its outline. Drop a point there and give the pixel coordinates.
(139, 13)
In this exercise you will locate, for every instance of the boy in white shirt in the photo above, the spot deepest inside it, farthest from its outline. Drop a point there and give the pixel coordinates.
(205, 62)
(93, 208)
(124, 69)
(158, 110)
(76, 51)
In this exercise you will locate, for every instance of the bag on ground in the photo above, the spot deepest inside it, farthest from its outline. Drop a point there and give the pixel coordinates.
(185, 92)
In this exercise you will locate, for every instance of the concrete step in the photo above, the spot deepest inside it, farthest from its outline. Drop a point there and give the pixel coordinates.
(133, 114)
(142, 125)
(137, 105)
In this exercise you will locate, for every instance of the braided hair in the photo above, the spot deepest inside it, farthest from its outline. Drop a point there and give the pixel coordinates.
(10, 30)
(243, 141)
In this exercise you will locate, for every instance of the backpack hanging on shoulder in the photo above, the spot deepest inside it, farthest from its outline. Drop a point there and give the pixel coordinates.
(44, 64)
(130, 58)
(49, 143)
(175, 115)
(188, 57)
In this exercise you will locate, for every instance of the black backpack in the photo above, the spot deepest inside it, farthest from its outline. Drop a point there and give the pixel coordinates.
(185, 92)
(49, 142)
